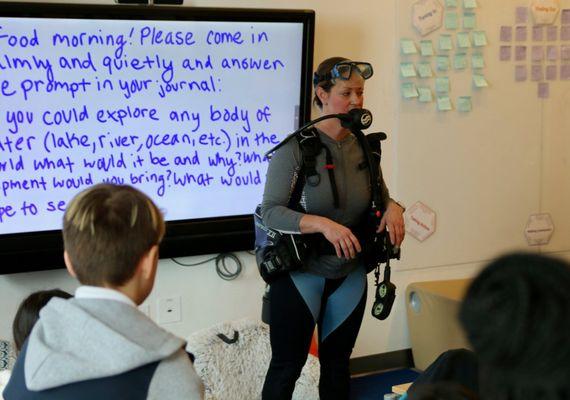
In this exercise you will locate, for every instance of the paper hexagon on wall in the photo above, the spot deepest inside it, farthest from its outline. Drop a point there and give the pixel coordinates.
(544, 11)
(427, 16)
(420, 221)
(539, 229)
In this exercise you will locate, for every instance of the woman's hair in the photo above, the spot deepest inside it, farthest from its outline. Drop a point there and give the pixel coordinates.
(106, 231)
(323, 77)
(29, 312)
(516, 314)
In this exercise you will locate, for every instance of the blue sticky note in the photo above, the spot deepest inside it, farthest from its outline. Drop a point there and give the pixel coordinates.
(442, 84)
(407, 70)
(479, 39)
(469, 20)
(408, 46)
(445, 42)
(477, 60)
(463, 40)
(460, 61)
(426, 48)
(451, 20)
(464, 104)
(442, 63)
(479, 81)
(444, 103)
(409, 90)
(424, 70)
(425, 95)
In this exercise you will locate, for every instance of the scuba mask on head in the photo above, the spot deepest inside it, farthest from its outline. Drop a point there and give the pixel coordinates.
(343, 70)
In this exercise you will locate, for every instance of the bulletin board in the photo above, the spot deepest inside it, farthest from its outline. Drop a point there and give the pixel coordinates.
(486, 168)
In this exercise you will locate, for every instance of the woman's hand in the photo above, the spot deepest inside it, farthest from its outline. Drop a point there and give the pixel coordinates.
(393, 219)
(342, 238)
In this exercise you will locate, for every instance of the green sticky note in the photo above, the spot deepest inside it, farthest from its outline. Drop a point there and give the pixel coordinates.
(479, 81)
(426, 48)
(463, 41)
(477, 60)
(469, 3)
(464, 104)
(469, 20)
(442, 63)
(409, 90)
(407, 70)
(425, 94)
(444, 103)
(424, 70)
(451, 20)
(479, 38)
(408, 46)
(445, 42)
(451, 3)
(442, 84)
(460, 61)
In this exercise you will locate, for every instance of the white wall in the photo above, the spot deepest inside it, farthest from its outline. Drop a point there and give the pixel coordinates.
(415, 170)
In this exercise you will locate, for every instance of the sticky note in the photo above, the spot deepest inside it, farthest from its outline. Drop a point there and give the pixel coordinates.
(451, 3)
(552, 33)
(565, 52)
(442, 84)
(424, 70)
(537, 33)
(469, 20)
(469, 4)
(537, 53)
(407, 70)
(521, 15)
(442, 63)
(451, 20)
(479, 81)
(565, 17)
(463, 40)
(445, 42)
(464, 104)
(479, 38)
(505, 53)
(408, 46)
(506, 33)
(520, 73)
(520, 53)
(477, 60)
(460, 61)
(543, 90)
(425, 95)
(536, 73)
(552, 53)
(426, 48)
(565, 72)
(565, 32)
(551, 72)
(444, 103)
(520, 33)
(409, 90)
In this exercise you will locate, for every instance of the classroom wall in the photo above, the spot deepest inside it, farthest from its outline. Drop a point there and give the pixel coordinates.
(483, 174)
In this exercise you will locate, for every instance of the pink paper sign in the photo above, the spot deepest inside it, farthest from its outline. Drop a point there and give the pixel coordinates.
(551, 72)
(537, 33)
(552, 33)
(520, 73)
(521, 15)
(520, 35)
(520, 53)
(505, 53)
(536, 73)
(506, 33)
(543, 90)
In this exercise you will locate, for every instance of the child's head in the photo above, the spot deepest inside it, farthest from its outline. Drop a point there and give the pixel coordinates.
(517, 316)
(29, 312)
(107, 231)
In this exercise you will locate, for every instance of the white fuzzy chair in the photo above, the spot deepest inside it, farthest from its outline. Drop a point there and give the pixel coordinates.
(233, 366)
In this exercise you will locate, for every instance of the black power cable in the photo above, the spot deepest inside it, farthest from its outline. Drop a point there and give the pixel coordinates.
(223, 270)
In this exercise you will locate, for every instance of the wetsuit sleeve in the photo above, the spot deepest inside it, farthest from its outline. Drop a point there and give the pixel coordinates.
(281, 177)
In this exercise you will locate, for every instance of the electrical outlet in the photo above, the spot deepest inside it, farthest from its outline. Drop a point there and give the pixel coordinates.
(169, 310)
